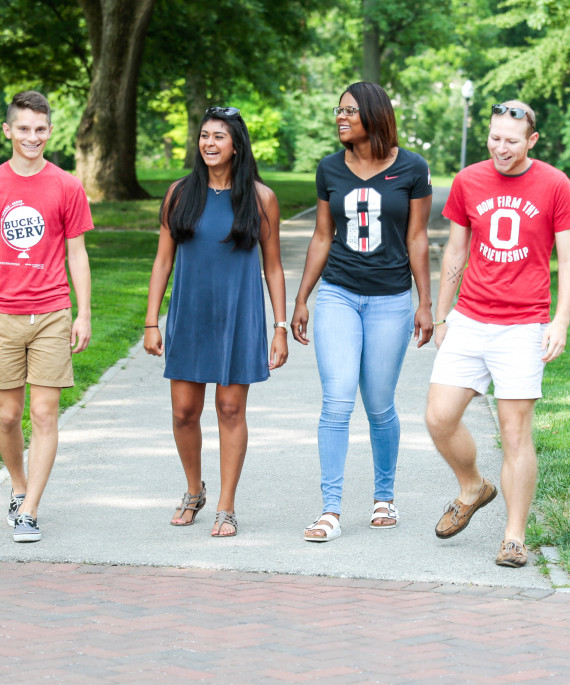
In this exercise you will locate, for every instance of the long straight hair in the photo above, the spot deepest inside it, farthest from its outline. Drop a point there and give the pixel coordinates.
(377, 116)
(182, 208)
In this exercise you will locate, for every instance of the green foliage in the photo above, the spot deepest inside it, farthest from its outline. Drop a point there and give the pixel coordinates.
(534, 66)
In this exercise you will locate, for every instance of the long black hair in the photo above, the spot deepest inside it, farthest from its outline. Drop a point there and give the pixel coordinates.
(182, 208)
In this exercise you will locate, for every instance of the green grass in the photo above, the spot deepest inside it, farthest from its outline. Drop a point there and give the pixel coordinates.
(550, 520)
(121, 263)
(295, 192)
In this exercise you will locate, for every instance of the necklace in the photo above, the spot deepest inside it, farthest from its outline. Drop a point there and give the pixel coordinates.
(220, 190)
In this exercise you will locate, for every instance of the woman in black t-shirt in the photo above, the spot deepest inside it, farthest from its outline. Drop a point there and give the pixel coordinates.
(374, 200)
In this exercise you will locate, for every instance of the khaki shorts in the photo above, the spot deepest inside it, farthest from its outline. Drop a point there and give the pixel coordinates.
(36, 349)
(473, 353)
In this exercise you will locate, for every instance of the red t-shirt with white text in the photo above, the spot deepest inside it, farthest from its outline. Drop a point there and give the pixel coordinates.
(513, 220)
(37, 214)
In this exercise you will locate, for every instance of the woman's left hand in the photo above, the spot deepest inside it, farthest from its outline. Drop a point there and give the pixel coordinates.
(423, 322)
(279, 350)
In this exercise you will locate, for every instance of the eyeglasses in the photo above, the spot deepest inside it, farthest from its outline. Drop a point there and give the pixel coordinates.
(515, 112)
(348, 111)
(229, 111)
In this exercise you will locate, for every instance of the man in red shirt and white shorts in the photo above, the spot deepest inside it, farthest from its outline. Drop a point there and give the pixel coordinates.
(42, 209)
(506, 214)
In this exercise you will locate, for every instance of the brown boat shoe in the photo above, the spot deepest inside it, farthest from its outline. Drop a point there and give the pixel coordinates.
(457, 515)
(512, 553)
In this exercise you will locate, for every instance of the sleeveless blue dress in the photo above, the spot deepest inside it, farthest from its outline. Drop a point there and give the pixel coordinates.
(216, 330)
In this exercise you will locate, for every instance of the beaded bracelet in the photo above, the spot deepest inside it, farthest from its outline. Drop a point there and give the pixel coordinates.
(437, 323)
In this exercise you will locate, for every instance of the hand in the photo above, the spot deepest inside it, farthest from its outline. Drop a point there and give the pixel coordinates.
(80, 334)
(299, 323)
(423, 322)
(440, 333)
(153, 342)
(553, 340)
(279, 350)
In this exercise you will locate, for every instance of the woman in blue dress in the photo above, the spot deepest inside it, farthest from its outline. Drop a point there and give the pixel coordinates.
(212, 221)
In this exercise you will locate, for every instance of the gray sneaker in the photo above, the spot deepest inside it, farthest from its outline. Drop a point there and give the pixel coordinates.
(15, 501)
(26, 529)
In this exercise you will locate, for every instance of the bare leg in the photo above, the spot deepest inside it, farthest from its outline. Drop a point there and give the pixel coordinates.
(44, 411)
(187, 406)
(11, 436)
(445, 408)
(231, 402)
(518, 477)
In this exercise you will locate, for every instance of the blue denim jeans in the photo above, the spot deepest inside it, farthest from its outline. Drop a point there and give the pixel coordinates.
(359, 340)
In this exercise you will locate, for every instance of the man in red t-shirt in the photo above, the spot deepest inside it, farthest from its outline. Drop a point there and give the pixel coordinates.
(506, 215)
(42, 210)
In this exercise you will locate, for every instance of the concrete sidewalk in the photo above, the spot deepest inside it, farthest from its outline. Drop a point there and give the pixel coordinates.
(117, 478)
(114, 594)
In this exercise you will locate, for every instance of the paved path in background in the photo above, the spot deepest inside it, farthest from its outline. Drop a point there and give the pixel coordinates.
(140, 600)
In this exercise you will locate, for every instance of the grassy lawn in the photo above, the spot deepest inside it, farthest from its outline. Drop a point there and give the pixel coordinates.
(121, 262)
(295, 193)
(550, 520)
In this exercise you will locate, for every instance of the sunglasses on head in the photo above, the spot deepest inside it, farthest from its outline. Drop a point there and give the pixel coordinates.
(229, 111)
(515, 112)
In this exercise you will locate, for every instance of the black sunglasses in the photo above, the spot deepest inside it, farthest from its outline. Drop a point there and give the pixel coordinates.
(229, 111)
(515, 112)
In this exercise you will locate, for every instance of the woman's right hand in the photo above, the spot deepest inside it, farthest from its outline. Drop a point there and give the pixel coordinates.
(299, 323)
(153, 342)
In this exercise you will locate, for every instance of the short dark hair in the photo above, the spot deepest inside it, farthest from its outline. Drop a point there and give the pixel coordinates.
(377, 116)
(28, 99)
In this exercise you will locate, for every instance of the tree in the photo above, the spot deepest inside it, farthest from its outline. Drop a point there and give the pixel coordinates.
(535, 66)
(261, 39)
(394, 30)
(106, 139)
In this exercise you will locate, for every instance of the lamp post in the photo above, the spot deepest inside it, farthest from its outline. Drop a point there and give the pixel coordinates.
(467, 91)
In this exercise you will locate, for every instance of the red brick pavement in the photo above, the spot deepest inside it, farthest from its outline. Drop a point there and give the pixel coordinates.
(91, 624)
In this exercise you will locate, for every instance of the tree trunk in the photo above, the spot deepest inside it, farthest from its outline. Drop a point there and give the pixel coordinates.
(196, 103)
(371, 45)
(106, 138)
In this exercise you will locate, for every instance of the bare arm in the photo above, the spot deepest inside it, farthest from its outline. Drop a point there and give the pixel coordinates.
(161, 270)
(273, 271)
(554, 339)
(317, 256)
(418, 252)
(454, 260)
(78, 263)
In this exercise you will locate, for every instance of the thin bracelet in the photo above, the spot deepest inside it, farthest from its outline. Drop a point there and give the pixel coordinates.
(151, 326)
(437, 323)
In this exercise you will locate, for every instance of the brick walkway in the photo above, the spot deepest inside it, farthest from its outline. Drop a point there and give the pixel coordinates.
(66, 623)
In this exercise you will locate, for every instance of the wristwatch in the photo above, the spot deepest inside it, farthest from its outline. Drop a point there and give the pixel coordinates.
(282, 324)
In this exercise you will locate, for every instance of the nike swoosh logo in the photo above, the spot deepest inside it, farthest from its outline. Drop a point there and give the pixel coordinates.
(389, 178)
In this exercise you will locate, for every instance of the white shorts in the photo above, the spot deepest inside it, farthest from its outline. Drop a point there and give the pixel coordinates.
(474, 353)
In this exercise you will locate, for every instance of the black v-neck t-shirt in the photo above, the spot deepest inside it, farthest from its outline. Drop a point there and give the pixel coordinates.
(368, 255)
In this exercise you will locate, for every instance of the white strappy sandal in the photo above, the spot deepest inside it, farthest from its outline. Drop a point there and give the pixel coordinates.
(331, 532)
(392, 515)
